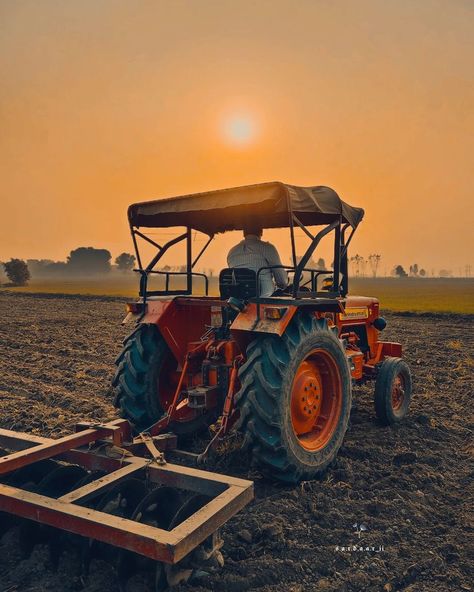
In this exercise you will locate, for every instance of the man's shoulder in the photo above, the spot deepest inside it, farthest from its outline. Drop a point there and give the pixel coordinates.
(268, 245)
(236, 247)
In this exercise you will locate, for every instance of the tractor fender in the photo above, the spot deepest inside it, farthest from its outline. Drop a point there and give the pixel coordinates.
(154, 310)
(274, 318)
(249, 321)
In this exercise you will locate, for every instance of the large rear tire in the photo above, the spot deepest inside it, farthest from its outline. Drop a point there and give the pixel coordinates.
(295, 399)
(145, 381)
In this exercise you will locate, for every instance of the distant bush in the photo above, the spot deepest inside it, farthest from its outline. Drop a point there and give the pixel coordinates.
(17, 272)
(125, 261)
(399, 271)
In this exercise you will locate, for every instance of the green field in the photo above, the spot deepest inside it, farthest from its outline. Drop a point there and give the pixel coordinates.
(408, 294)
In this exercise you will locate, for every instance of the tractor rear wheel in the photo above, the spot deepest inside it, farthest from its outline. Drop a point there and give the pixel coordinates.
(295, 399)
(145, 382)
(393, 388)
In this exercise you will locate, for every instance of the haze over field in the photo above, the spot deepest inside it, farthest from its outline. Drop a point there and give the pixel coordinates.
(108, 102)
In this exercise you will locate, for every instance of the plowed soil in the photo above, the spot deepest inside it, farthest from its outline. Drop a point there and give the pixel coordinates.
(410, 486)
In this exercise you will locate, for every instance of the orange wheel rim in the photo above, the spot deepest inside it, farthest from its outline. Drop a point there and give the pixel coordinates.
(398, 392)
(316, 400)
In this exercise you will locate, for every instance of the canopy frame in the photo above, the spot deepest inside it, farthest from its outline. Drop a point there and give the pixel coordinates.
(339, 273)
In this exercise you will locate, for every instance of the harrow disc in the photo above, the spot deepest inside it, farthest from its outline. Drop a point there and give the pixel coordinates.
(206, 556)
(121, 501)
(66, 540)
(54, 484)
(165, 508)
(157, 509)
(26, 478)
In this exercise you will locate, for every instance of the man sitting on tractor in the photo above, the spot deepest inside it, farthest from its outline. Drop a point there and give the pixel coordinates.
(253, 253)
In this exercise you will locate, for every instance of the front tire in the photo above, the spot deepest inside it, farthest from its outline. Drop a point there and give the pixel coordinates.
(295, 399)
(393, 388)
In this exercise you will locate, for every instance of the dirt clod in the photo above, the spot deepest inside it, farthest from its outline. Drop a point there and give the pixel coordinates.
(245, 535)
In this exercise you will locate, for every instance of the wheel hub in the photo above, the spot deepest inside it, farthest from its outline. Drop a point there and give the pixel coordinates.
(306, 402)
(316, 400)
(398, 392)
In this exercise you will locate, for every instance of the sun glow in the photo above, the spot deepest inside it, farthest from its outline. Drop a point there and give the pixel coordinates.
(239, 130)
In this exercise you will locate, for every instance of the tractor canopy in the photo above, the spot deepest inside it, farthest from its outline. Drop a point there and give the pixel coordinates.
(273, 204)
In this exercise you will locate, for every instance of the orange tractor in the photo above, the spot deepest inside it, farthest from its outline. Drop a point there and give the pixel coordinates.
(281, 368)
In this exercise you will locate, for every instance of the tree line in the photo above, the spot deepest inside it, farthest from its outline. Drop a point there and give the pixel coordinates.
(80, 261)
(362, 266)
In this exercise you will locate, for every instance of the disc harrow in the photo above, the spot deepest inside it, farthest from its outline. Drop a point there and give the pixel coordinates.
(101, 489)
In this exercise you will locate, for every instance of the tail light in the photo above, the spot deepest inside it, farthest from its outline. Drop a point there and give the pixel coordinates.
(134, 307)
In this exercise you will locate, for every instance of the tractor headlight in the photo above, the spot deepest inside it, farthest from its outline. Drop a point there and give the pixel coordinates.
(380, 323)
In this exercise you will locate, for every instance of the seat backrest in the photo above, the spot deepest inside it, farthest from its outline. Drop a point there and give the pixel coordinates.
(238, 282)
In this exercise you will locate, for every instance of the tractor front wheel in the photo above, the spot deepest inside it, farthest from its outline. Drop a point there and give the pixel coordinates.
(295, 399)
(393, 388)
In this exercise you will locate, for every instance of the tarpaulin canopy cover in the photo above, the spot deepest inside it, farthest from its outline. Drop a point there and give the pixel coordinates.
(229, 209)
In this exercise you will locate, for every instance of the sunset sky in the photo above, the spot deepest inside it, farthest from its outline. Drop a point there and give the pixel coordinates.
(108, 102)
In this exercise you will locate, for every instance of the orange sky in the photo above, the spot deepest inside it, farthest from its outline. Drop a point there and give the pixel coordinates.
(107, 102)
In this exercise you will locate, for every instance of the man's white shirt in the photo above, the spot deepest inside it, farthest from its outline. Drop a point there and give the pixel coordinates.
(253, 253)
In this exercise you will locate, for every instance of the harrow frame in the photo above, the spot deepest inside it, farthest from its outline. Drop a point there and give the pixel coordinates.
(91, 447)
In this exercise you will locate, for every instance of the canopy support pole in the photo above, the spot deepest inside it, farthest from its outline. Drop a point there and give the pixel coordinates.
(292, 230)
(189, 262)
(307, 256)
(337, 258)
(201, 252)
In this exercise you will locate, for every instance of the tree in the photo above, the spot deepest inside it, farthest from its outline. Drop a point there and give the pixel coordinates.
(358, 263)
(414, 269)
(17, 272)
(399, 271)
(125, 261)
(89, 260)
(321, 264)
(374, 261)
(422, 272)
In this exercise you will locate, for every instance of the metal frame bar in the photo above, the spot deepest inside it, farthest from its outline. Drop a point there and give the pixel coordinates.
(230, 495)
(147, 238)
(337, 257)
(201, 252)
(292, 230)
(306, 257)
(17, 460)
(302, 226)
(189, 261)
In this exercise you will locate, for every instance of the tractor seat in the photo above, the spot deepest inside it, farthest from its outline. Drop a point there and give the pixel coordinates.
(238, 282)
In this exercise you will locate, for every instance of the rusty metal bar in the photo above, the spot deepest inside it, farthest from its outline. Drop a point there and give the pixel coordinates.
(16, 460)
(20, 440)
(90, 490)
(127, 534)
(209, 518)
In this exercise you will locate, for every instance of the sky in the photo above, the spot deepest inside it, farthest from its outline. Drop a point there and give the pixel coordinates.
(107, 102)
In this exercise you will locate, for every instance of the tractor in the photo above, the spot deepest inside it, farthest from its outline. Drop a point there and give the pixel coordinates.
(280, 369)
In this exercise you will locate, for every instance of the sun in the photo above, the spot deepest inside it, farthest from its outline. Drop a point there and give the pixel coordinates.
(240, 130)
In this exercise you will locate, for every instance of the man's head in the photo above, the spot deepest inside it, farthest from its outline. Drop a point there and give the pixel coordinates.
(253, 228)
